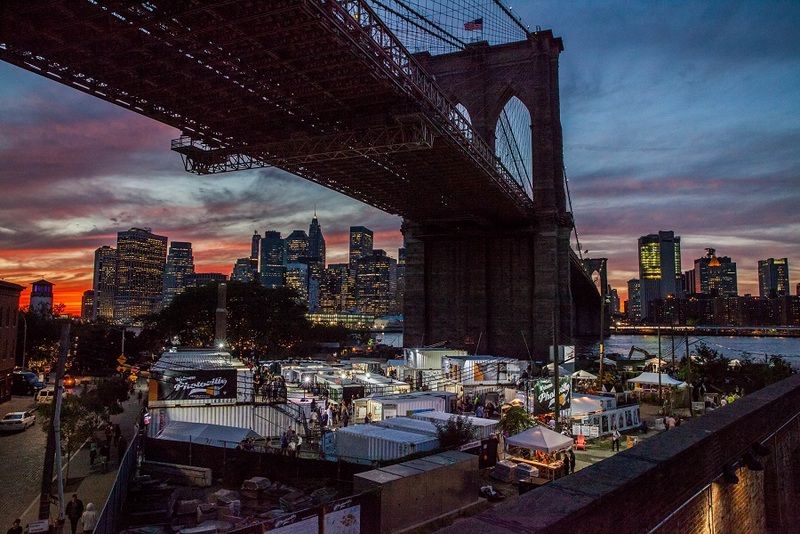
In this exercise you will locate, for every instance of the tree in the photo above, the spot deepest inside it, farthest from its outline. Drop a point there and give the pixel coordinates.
(457, 431)
(261, 321)
(77, 423)
(515, 419)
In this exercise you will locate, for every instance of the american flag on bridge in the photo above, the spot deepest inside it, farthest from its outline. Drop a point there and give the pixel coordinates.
(474, 25)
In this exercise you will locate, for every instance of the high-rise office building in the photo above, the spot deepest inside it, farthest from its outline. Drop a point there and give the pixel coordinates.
(255, 245)
(689, 282)
(376, 283)
(773, 277)
(296, 246)
(659, 268)
(41, 297)
(634, 308)
(245, 270)
(87, 305)
(141, 259)
(180, 264)
(715, 275)
(104, 283)
(272, 266)
(316, 243)
(202, 279)
(297, 279)
(332, 287)
(360, 244)
(613, 301)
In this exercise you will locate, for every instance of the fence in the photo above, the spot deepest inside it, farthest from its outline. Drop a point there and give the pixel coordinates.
(108, 522)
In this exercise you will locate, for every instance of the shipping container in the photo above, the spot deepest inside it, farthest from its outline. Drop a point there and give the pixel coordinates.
(368, 444)
(409, 424)
(484, 427)
(265, 420)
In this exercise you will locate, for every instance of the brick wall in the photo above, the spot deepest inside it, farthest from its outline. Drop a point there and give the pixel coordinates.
(673, 482)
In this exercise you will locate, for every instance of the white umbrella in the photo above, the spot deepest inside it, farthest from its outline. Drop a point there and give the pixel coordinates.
(540, 438)
(584, 375)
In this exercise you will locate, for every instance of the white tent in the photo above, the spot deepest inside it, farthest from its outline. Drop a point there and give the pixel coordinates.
(651, 379)
(585, 404)
(206, 434)
(541, 439)
(655, 362)
(583, 375)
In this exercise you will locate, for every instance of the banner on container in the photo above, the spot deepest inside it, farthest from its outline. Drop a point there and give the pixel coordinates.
(342, 517)
(303, 522)
(544, 399)
(590, 431)
(200, 384)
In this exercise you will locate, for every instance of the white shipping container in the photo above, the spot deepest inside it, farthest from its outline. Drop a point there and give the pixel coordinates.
(484, 427)
(265, 420)
(400, 407)
(371, 443)
(408, 424)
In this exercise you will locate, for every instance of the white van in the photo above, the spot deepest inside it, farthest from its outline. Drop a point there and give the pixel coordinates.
(46, 395)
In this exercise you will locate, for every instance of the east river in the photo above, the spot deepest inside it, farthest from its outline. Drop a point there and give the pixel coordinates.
(737, 347)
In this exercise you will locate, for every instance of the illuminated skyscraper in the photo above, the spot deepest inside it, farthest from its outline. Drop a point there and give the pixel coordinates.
(360, 244)
(773, 277)
(272, 267)
(316, 243)
(180, 264)
(297, 279)
(296, 246)
(245, 270)
(634, 309)
(104, 283)
(333, 286)
(141, 259)
(715, 275)
(87, 305)
(659, 267)
(376, 283)
(255, 245)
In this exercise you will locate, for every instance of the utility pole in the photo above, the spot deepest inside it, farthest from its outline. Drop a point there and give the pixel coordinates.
(658, 364)
(689, 373)
(672, 338)
(602, 331)
(53, 449)
(556, 317)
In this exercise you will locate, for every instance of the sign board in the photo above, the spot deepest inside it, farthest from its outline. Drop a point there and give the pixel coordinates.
(303, 522)
(199, 384)
(544, 400)
(122, 359)
(342, 517)
(39, 526)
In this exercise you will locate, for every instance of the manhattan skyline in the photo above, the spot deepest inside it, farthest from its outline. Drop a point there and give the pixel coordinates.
(682, 117)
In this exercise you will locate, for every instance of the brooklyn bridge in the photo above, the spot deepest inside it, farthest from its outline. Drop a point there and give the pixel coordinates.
(451, 123)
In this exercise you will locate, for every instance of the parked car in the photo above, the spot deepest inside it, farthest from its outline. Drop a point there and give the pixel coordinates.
(25, 383)
(46, 395)
(17, 421)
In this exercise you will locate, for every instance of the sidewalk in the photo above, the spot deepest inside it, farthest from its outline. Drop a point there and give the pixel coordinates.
(90, 484)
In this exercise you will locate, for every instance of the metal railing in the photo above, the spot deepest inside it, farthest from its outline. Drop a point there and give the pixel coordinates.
(109, 520)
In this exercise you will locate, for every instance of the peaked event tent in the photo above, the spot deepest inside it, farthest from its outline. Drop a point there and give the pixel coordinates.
(540, 438)
(584, 375)
(651, 379)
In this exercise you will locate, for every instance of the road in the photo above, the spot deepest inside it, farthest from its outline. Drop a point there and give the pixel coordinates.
(22, 457)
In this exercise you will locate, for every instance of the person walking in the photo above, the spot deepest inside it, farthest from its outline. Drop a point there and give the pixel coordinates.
(74, 511)
(615, 440)
(117, 433)
(89, 518)
(571, 461)
(16, 528)
(104, 452)
(92, 451)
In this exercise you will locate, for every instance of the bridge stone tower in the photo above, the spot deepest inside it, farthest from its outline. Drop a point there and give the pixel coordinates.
(494, 288)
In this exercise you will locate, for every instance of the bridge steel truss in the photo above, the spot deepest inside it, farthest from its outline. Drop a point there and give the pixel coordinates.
(320, 88)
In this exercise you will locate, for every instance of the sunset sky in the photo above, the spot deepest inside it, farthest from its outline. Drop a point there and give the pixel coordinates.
(679, 116)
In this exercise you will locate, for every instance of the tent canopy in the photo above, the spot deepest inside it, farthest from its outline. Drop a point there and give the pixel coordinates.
(584, 375)
(584, 405)
(561, 370)
(540, 438)
(651, 379)
(607, 361)
(205, 434)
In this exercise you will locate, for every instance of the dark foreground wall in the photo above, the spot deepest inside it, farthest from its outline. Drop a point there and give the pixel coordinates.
(674, 483)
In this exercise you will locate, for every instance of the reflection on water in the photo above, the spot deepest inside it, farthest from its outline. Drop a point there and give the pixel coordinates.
(729, 346)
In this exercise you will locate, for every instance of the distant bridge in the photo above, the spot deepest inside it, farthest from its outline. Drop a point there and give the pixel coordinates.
(324, 89)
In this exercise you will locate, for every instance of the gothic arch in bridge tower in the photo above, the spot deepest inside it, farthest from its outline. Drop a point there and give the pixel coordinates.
(514, 141)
